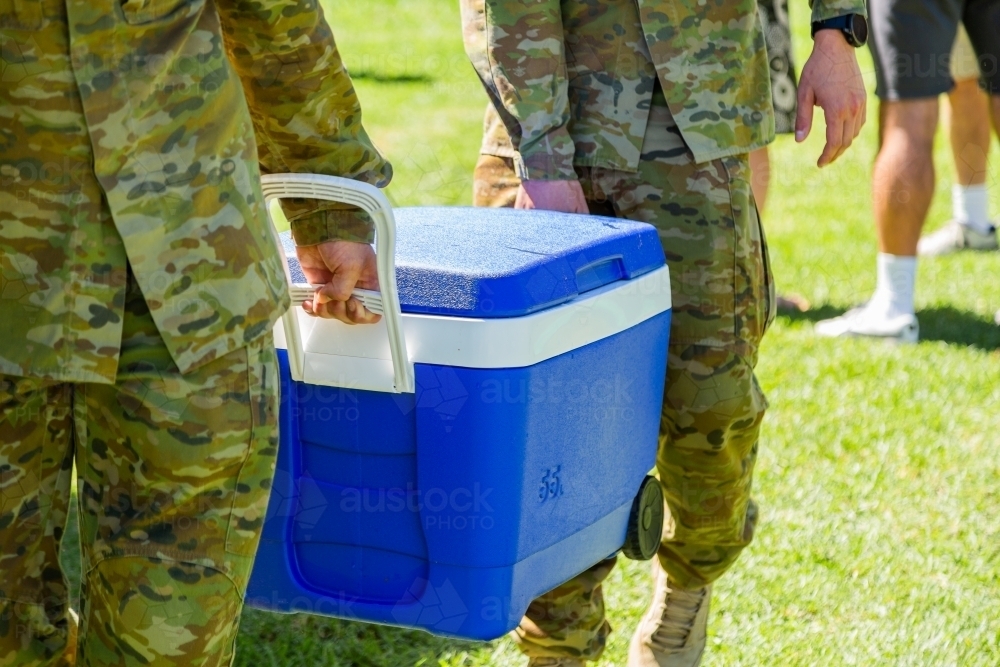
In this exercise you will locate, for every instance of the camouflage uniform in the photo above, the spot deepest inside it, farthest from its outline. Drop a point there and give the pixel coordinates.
(778, 39)
(653, 107)
(138, 289)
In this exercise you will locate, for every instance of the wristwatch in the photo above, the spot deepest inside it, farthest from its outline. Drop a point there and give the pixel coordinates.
(854, 27)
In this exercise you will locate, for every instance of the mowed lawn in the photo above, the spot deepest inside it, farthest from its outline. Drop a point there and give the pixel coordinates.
(879, 472)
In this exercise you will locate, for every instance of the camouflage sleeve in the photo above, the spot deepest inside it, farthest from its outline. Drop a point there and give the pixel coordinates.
(306, 115)
(828, 9)
(518, 51)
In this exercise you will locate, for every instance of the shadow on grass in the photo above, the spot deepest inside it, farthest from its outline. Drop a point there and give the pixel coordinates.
(379, 77)
(301, 639)
(941, 323)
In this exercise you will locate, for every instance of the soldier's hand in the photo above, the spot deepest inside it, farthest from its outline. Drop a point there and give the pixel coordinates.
(831, 79)
(339, 266)
(565, 196)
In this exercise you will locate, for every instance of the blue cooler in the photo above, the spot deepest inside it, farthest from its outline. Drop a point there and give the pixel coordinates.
(488, 439)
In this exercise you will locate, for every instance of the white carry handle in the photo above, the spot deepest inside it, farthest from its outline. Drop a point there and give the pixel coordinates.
(370, 299)
(371, 200)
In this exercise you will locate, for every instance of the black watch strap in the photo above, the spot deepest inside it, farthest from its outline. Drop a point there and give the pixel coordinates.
(854, 27)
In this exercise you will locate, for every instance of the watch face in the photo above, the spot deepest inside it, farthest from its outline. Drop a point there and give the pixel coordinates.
(859, 26)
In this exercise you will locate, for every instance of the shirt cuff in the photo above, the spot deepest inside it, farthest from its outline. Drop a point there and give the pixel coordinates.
(343, 223)
(828, 9)
(549, 158)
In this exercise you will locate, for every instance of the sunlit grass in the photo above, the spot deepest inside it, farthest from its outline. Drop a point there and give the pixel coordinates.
(879, 477)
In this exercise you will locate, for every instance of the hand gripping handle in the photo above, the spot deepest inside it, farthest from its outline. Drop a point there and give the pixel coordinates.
(371, 200)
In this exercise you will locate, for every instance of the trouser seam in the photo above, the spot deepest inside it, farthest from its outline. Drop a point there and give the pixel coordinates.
(252, 400)
(172, 556)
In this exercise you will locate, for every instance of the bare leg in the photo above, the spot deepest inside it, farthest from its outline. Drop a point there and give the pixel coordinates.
(969, 128)
(995, 109)
(902, 187)
(995, 112)
(760, 176)
(970, 227)
(903, 181)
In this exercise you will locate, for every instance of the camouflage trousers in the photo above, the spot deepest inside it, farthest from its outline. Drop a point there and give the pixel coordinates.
(173, 478)
(723, 300)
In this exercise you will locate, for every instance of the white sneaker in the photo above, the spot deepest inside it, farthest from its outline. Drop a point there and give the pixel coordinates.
(862, 322)
(996, 318)
(955, 236)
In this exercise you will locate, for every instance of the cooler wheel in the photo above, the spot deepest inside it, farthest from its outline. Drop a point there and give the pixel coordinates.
(645, 522)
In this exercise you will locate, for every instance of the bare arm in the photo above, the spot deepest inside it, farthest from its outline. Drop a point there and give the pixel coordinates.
(831, 80)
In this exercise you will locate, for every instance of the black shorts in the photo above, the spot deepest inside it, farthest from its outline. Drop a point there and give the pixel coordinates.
(911, 42)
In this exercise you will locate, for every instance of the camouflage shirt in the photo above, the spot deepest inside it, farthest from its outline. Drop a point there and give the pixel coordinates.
(572, 80)
(133, 133)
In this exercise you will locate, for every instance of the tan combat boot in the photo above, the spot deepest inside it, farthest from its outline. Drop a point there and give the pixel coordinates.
(555, 662)
(672, 633)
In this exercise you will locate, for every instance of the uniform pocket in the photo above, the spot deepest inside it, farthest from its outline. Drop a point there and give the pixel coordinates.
(169, 456)
(697, 209)
(139, 12)
(768, 291)
(253, 484)
(752, 285)
(20, 14)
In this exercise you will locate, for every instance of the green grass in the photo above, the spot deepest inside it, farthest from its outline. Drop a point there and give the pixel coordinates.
(879, 542)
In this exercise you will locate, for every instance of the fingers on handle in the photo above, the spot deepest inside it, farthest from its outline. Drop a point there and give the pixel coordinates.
(338, 288)
(351, 311)
(358, 314)
(328, 310)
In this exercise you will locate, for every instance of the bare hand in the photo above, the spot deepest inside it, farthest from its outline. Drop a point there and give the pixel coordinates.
(565, 196)
(832, 80)
(340, 266)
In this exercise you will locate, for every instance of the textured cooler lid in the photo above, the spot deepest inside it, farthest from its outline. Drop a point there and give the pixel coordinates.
(490, 262)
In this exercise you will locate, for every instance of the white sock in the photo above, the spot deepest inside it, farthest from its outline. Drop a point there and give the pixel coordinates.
(969, 205)
(893, 296)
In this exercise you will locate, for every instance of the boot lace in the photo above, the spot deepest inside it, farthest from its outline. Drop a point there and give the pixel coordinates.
(678, 618)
